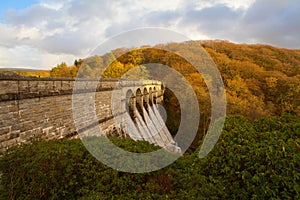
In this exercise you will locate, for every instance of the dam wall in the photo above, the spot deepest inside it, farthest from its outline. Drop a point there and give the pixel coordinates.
(42, 107)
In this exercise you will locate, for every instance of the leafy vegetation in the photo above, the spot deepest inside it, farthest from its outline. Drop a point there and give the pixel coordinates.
(63, 71)
(260, 80)
(258, 160)
(256, 157)
(24, 72)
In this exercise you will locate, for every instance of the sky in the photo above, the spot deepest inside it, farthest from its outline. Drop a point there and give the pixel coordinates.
(39, 34)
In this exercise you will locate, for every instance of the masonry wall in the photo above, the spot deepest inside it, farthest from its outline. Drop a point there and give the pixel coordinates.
(43, 107)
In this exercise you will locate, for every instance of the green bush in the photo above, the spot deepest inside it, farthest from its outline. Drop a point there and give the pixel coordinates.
(58, 169)
(259, 164)
(250, 161)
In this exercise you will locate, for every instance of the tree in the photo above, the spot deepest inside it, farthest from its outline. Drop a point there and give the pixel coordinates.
(78, 63)
(137, 72)
(85, 72)
(60, 70)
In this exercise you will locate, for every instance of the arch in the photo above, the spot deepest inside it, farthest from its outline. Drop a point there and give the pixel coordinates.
(154, 95)
(145, 90)
(139, 101)
(130, 104)
(150, 97)
(146, 99)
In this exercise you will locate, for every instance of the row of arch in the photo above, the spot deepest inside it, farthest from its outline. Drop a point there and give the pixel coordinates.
(142, 98)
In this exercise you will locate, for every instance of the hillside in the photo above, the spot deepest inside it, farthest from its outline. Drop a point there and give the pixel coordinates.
(256, 156)
(23, 72)
(260, 80)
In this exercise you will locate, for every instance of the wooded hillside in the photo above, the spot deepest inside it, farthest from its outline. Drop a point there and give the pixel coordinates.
(260, 80)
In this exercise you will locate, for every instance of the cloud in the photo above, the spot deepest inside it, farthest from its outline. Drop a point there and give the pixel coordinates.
(87, 9)
(36, 15)
(68, 42)
(31, 58)
(52, 29)
(72, 28)
(274, 22)
(15, 36)
(217, 20)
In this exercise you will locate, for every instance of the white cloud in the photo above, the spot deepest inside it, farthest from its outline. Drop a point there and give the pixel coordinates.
(275, 22)
(55, 30)
(26, 57)
(15, 36)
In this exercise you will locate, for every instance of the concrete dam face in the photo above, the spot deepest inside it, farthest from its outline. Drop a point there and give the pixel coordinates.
(44, 107)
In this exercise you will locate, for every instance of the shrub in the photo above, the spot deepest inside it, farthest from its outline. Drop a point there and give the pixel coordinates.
(248, 162)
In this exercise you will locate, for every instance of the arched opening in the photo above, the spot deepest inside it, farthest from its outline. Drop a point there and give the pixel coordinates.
(146, 99)
(154, 95)
(150, 97)
(130, 107)
(162, 87)
(139, 101)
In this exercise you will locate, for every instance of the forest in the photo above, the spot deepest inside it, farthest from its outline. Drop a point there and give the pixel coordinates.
(260, 80)
(256, 157)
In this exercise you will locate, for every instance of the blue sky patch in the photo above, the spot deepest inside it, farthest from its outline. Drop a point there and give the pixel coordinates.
(15, 4)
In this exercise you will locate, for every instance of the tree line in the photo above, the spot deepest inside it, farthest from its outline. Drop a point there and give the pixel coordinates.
(260, 80)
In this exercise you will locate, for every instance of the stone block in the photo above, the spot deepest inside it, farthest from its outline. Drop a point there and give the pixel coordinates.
(5, 130)
(14, 134)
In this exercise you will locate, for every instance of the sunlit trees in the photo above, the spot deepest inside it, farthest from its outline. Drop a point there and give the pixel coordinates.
(260, 80)
(63, 71)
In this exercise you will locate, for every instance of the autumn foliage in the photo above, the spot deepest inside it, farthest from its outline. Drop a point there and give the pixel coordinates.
(260, 80)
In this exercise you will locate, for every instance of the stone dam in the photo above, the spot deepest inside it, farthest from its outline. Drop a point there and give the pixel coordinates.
(43, 107)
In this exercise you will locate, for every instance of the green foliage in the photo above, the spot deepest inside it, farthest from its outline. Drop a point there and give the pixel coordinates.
(258, 160)
(63, 71)
(60, 169)
(138, 72)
